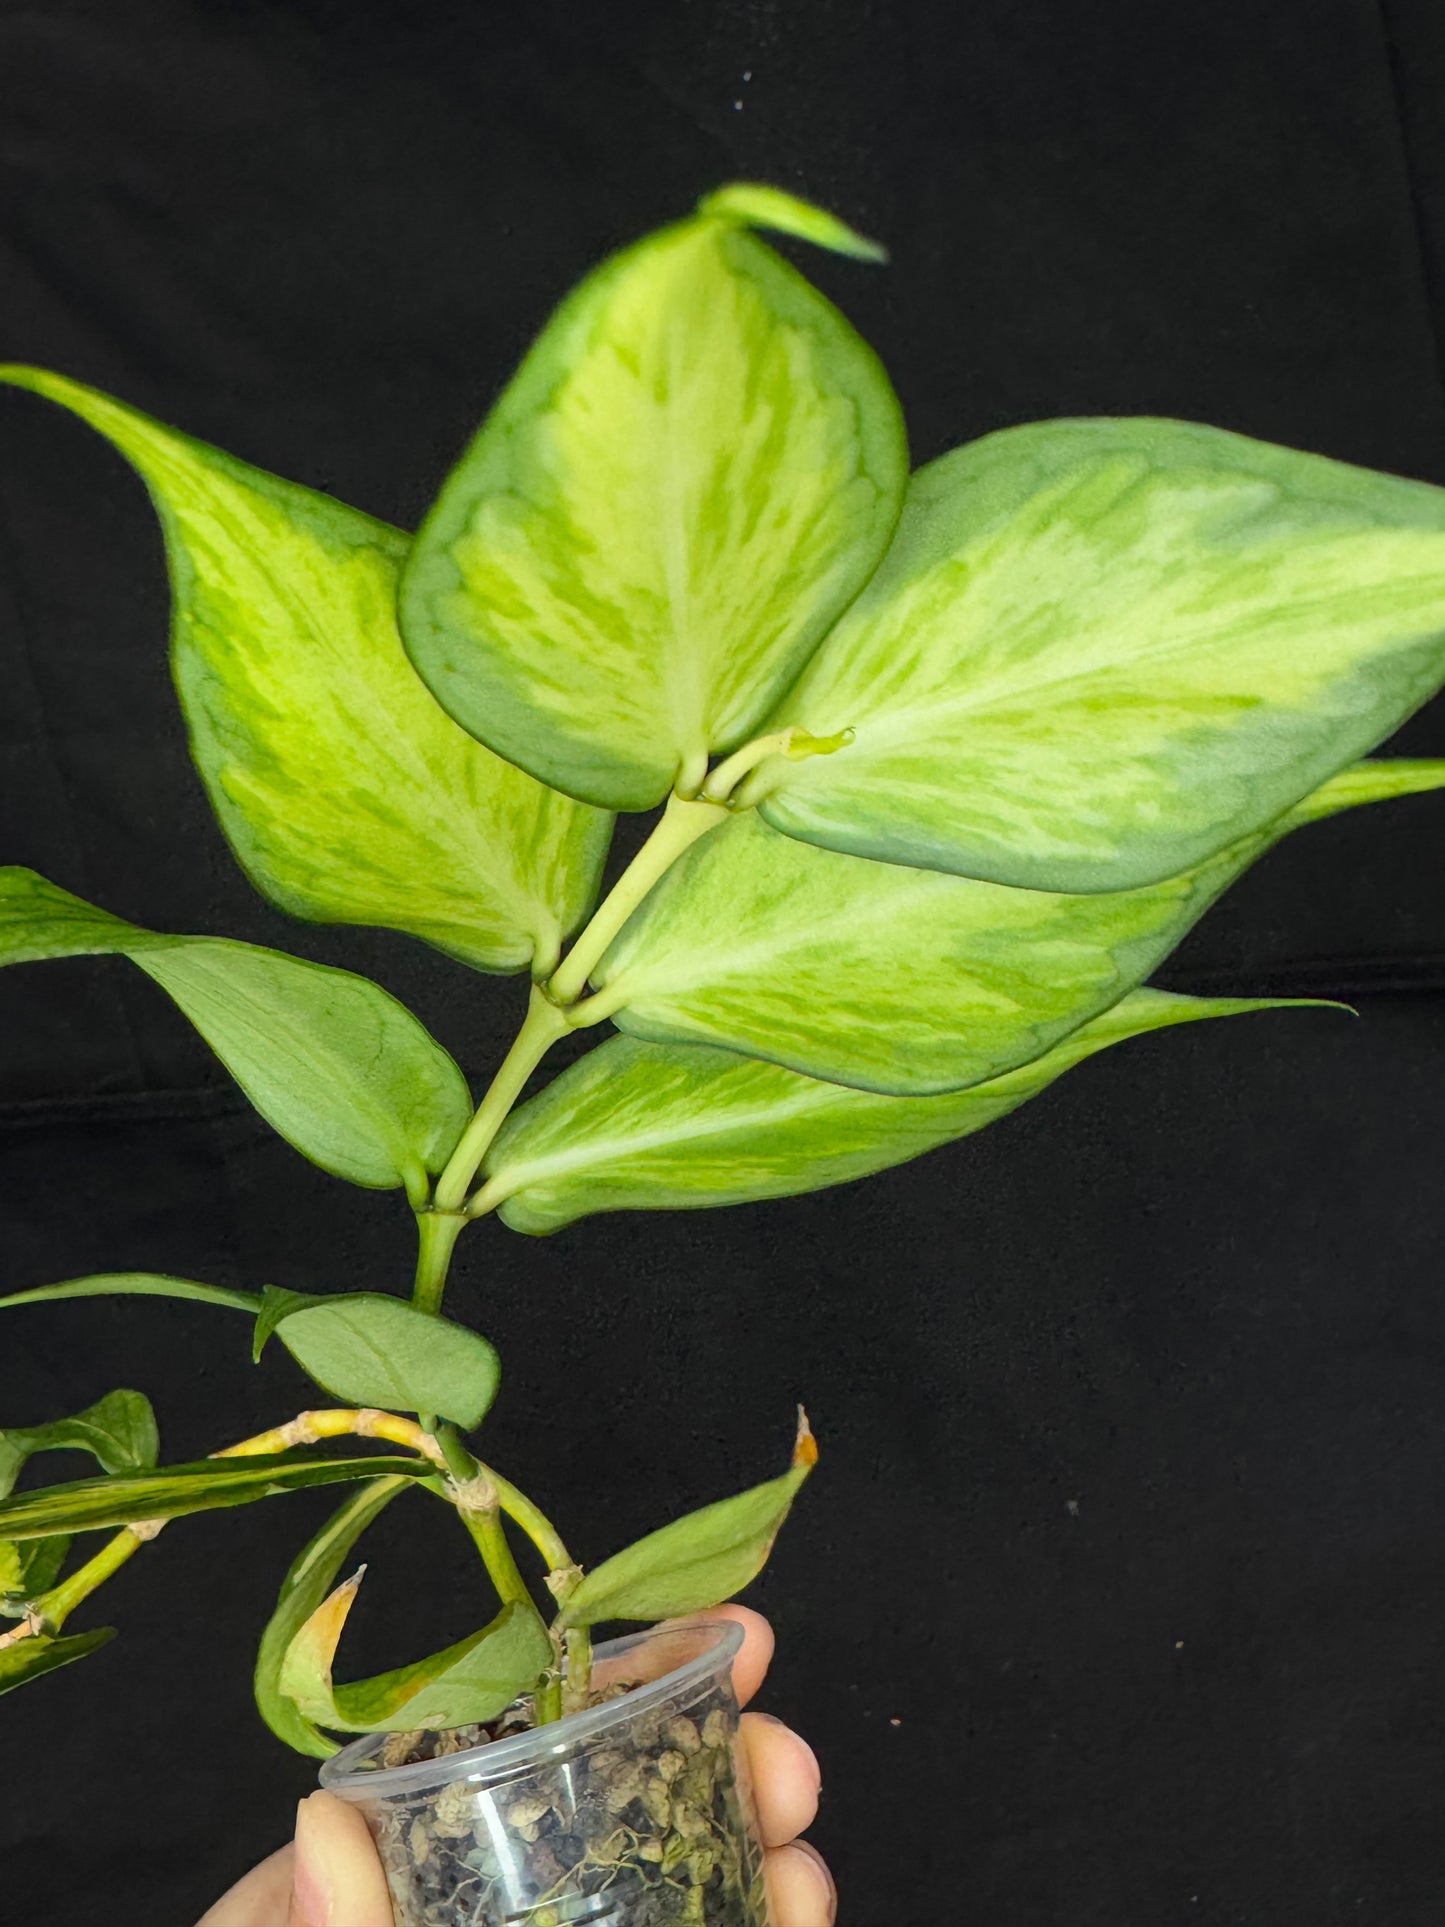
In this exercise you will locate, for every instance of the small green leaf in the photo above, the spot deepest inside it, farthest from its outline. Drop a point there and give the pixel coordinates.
(94, 1505)
(119, 1432)
(1100, 652)
(697, 1561)
(310, 1579)
(332, 1061)
(634, 1126)
(28, 1569)
(29, 1658)
(697, 467)
(475, 1679)
(347, 795)
(899, 980)
(136, 1284)
(368, 1349)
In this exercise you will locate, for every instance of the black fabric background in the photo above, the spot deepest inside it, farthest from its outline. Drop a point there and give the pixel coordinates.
(1118, 1596)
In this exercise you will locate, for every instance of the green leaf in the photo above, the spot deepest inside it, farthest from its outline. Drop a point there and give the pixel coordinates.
(368, 1349)
(119, 1432)
(306, 1585)
(93, 1505)
(695, 470)
(475, 1679)
(340, 1068)
(27, 1570)
(697, 1561)
(893, 979)
(634, 1126)
(1100, 652)
(346, 794)
(29, 1658)
(136, 1284)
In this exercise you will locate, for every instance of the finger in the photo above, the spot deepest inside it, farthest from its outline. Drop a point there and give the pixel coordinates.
(260, 1899)
(799, 1887)
(338, 1879)
(750, 1668)
(785, 1776)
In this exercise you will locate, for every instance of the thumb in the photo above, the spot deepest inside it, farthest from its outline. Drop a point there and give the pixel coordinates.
(337, 1880)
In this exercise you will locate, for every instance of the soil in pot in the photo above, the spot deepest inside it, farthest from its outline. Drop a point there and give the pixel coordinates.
(644, 1822)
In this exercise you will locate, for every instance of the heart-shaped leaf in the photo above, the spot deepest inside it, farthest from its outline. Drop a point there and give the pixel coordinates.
(306, 1585)
(634, 1126)
(696, 468)
(1100, 652)
(29, 1658)
(93, 1505)
(894, 979)
(346, 793)
(475, 1679)
(369, 1349)
(697, 1561)
(340, 1068)
(136, 1284)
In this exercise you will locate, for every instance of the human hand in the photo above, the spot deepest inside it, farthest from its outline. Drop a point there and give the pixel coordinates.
(330, 1875)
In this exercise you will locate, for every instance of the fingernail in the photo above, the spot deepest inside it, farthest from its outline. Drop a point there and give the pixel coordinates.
(309, 1878)
(806, 1846)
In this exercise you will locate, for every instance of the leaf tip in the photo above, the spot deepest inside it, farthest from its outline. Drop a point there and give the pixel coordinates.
(805, 1447)
(754, 204)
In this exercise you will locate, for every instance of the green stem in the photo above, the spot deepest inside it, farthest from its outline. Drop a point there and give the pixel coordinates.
(541, 1028)
(533, 1521)
(53, 1608)
(437, 1233)
(478, 1503)
(579, 1668)
(682, 823)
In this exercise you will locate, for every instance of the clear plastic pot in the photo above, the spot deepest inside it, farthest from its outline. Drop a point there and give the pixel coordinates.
(636, 1813)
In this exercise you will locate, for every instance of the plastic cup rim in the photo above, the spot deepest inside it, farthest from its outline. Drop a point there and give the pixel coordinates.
(494, 1760)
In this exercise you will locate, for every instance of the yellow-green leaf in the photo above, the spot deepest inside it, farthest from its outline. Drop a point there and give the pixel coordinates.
(695, 470)
(346, 793)
(331, 1060)
(92, 1505)
(902, 980)
(475, 1679)
(308, 1581)
(634, 1126)
(42, 1653)
(1100, 652)
(697, 1561)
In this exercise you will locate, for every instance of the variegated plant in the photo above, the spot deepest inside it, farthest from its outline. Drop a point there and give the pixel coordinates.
(945, 766)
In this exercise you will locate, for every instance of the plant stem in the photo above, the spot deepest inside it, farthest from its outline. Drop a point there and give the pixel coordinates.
(48, 1611)
(307, 1428)
(579, 1668)
(681, 824)
(437, 1233)
(541, 1027)
(478, 1502)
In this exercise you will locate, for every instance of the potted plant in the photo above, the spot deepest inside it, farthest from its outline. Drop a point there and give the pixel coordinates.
(941, 768)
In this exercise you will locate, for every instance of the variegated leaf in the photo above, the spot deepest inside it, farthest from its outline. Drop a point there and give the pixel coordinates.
(346, 793)
(1100, 652)
(901, 980)
(696, 468)
(634, 1126)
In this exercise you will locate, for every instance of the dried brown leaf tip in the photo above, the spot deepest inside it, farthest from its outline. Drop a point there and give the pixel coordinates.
(805, 1450)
